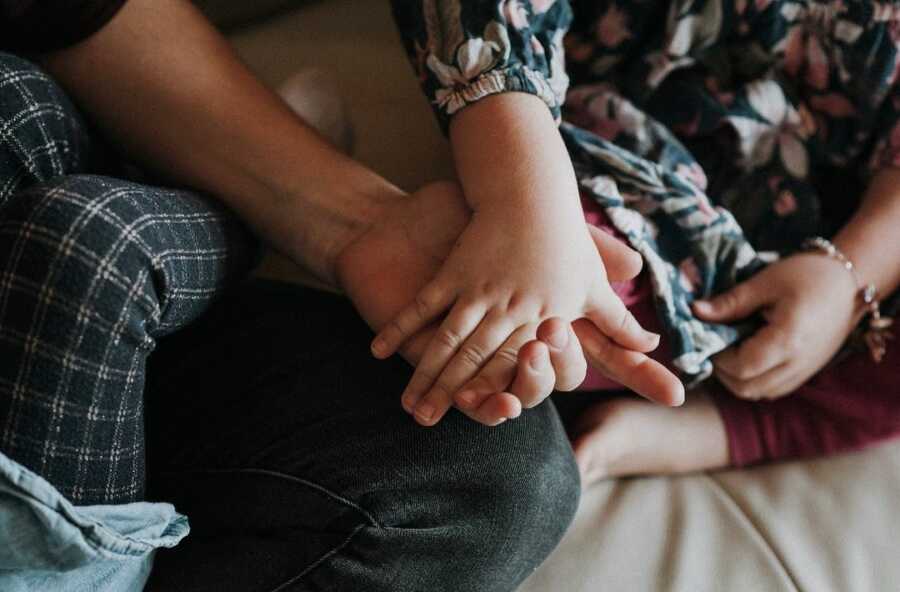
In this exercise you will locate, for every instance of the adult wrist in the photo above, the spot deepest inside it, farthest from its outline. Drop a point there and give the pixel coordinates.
(315, 219)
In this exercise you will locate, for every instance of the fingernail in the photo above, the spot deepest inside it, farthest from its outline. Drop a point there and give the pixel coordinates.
(425, 411)
(466, 398)
(702, 304)
(378, 347)
(654, 336)
(559, 339)
(499, 422)
(407, 403)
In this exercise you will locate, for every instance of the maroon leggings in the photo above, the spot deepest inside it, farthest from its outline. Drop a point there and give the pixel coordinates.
(846, 406)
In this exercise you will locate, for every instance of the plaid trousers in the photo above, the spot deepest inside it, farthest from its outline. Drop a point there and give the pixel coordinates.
(93, 269)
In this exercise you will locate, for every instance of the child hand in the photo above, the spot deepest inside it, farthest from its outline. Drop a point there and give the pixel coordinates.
(809, 303)
(564, 346)
(506, 273)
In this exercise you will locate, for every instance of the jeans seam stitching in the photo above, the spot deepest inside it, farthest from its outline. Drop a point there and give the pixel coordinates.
(339, 498)
(319, 561)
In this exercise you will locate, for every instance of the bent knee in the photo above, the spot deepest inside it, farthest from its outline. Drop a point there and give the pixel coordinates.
(72, 243)
(41, 135)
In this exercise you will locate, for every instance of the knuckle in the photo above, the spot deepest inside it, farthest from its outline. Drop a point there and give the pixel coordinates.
(423, 376)
(473, 355)
(515, 302)
(484, 383)
(443, 390)
(395, 329)
(487, 288)
(449, 339)
(509, 355)
(599, 350)
(422, 306)
(625, 321)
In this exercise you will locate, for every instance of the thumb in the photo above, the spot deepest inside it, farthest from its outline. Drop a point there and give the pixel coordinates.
(622, 263)
(737, 303)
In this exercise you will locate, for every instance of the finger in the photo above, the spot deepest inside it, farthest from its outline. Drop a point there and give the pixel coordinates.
(496, 376)
(737, 303)
(622, 263)
(474, 353)
(756, 355)
(773, 384)
(634, 370)
(566, 356)
(535, 378)
(616, 322)
(463, 319)
(428, 304)
(496, 409)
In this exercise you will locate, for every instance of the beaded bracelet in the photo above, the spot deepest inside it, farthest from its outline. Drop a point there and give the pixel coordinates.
(875, 328)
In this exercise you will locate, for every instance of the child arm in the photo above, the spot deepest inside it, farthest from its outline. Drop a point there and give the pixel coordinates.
(810, 303)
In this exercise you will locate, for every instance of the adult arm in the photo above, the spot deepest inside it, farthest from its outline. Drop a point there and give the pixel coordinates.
(165, 86)
(168, 89)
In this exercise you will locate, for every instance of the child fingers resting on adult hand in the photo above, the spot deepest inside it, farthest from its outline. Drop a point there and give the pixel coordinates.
(502, 278)
(533, 369)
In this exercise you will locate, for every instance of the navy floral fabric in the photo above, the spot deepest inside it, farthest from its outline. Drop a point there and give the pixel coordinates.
(716, 134)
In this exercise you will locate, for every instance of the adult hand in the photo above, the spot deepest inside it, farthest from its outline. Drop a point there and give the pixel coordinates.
(402, 250)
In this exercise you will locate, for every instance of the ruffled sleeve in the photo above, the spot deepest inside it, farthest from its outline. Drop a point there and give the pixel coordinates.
(465, 50)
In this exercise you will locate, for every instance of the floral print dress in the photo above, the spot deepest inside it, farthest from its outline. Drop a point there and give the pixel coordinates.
(715, 134)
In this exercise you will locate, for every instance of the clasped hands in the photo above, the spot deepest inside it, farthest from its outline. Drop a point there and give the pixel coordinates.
(520, 353)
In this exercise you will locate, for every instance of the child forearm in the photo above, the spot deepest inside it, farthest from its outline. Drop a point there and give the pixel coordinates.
(871, 239)
(509, 155)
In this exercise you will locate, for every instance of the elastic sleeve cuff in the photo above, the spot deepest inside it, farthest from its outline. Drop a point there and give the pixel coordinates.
(518, 78)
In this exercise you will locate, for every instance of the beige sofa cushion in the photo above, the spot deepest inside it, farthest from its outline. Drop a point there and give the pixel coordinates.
(831, 525)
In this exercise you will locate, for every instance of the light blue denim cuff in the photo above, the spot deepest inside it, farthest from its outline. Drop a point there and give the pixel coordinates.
(46, 543)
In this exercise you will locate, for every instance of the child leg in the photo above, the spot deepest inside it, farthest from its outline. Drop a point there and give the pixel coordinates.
(845, 407)
(629, 436)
